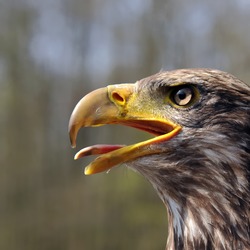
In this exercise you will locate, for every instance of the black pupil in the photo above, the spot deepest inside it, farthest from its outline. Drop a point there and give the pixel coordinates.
(181, 94)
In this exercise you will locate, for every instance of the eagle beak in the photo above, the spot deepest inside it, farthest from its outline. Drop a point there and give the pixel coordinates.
(116, 104)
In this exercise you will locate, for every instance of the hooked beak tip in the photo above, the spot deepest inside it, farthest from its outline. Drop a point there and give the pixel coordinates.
(72, 135)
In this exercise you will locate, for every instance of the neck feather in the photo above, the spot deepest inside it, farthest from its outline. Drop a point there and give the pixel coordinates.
(208, 206)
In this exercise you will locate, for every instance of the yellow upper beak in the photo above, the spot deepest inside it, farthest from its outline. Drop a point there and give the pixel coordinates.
(116, 104)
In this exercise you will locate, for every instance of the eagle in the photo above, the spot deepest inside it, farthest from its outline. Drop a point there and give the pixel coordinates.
(198, 158)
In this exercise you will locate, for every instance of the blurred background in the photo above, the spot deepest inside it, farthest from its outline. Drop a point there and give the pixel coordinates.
(52, 52)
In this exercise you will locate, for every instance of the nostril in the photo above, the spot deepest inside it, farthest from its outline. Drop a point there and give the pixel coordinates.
(118, 98)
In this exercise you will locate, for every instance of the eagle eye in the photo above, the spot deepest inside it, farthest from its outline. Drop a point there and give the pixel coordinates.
(182, 96)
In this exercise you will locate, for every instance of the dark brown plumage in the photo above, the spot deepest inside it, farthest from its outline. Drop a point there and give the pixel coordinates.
(199, 161)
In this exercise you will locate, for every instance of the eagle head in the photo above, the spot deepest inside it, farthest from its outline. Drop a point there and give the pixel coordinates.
(198, 160)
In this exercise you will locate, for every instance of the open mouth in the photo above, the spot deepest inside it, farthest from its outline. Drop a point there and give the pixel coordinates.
(153, 127)
(97, 109)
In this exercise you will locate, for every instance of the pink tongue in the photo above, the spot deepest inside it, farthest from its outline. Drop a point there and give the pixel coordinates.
(96, 150)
